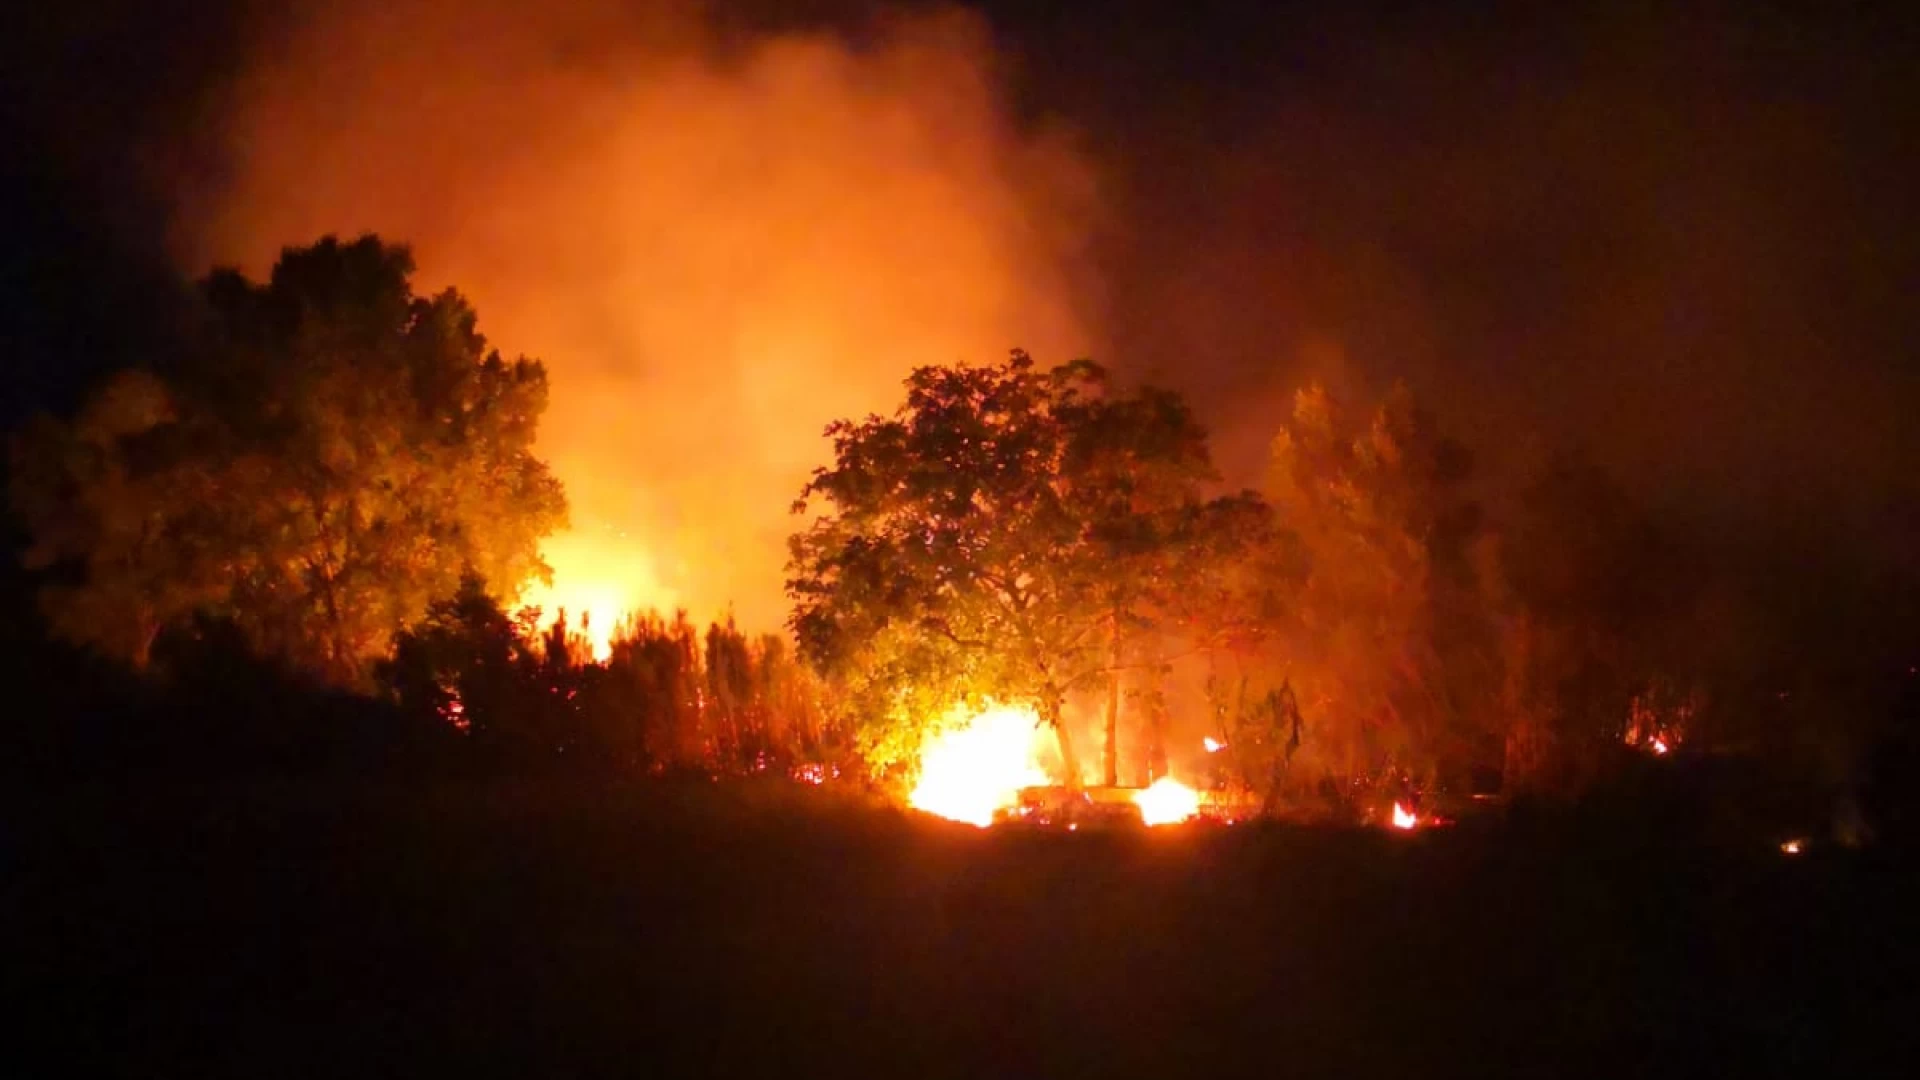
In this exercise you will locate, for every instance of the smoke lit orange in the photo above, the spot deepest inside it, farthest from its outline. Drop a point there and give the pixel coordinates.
(714, 257)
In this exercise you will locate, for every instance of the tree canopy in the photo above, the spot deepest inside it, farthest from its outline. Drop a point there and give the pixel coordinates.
(1012, 532)
(330, 454)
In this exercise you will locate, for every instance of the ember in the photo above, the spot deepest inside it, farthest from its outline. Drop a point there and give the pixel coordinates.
(1404, 818)
(453, 710)
(1657, 730)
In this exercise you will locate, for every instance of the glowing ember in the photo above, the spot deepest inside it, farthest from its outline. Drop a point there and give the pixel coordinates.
(815, 773)
(1404, 818)
(454, 711)
(1793, 847)
(1167, 802)
(1213, 745)
(1658, 745)
(972, 771)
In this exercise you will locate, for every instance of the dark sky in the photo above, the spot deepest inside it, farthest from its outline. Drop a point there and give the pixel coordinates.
(1685, 240)
(1679, 236)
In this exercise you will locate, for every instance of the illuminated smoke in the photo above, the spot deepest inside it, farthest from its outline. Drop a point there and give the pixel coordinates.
(716, 245)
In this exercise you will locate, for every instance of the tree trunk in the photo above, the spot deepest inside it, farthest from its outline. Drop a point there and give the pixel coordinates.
(1156, 739)
(1276, 785)
(1110, 754)
(143, 641)
(1069, 761)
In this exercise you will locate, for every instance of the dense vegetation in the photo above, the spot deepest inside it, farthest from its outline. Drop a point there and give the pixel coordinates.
(1016, 534)
(299, 789)
(328, 456)
(324, 492)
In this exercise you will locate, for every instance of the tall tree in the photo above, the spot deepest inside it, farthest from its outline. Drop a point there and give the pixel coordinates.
(1003, 535)
(1161, 556)
(334, 453)
(464, 662)
(1384, 530)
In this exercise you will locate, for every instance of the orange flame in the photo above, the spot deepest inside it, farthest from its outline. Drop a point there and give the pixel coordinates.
(1167, 802)
(598, 581)
(1404, 818)
(973, 771)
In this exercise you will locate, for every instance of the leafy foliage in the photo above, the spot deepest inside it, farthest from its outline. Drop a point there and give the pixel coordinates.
(1013, 533)
(333, 454)
(104, 495)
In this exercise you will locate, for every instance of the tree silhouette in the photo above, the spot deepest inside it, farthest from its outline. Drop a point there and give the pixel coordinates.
(332, 454)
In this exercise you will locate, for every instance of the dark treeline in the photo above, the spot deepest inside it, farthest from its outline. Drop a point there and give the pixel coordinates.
(470, 690)
(667, 697)
(281, 543)
(291, 541)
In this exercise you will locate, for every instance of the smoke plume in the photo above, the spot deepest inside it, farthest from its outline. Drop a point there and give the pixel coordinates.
(717, 241)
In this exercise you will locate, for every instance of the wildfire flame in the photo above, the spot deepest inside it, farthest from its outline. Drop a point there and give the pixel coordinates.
(979, 766)
(1167, 802)
(590, 609)
(598, 581)
(972, 771)
(1213, 745)
(1404, 818)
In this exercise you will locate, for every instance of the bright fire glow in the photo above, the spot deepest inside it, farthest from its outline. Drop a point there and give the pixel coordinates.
(1213, 745)
(1658, 745)
(601, 605)
(1404, 818)
(973, 770)
(1167, 802)
(664, 184)
(598, 578)
(1793, 847)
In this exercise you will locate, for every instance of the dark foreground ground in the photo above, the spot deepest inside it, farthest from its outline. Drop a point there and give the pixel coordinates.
(553, 930)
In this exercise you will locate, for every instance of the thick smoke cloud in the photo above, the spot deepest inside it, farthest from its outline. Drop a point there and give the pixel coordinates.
(1676, 238)
(717, 243)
